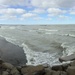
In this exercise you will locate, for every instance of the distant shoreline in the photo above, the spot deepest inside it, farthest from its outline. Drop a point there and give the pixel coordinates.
(33, 24)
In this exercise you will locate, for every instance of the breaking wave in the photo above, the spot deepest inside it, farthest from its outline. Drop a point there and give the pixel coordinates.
(69, 35)
(47, 30)
(7, 27)
(65, 44)
(12, 40)
(68, 49)
(35, 58)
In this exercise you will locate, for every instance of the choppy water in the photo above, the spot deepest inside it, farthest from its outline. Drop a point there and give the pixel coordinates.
(42, 44)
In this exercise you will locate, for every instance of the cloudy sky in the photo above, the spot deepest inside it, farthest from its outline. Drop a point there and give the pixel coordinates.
(37, 11)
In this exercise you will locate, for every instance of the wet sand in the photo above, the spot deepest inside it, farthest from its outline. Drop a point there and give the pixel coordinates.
(12, 53)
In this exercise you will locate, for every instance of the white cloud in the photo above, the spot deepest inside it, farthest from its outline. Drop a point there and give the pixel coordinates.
(28, 15)
(40, 3)
(3, 6)
(63, 17)
(66, 3)
(72, 11)
(55, 11)
(43, 3)
(14, 2)
(51, 15)
(53, 3)
(38, 11)
(37, 18)
(12, 11)
(53, 7)
(49, 19)
(5, 17)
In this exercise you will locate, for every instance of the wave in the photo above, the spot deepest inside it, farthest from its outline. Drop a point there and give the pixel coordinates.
(12, 27)
(47, 30)
(12, 40)
(70, 35)
(63, 45)
(68, 49)
(35, 58)
(3, 27)
(7, 27)
(48, 33)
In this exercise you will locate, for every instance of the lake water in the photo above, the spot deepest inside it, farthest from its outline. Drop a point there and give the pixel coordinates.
(42, 43)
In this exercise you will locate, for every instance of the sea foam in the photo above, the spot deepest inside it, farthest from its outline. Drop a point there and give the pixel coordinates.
(35, 58)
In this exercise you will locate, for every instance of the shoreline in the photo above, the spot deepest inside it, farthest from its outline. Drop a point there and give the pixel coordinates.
(8, 49)
(64, 69)
(13, 62)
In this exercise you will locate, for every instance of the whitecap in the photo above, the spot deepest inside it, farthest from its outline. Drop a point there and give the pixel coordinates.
(68, 49)
(35, 58)
(12, 40)
(47, 30)
(70, 35)
(12, 27)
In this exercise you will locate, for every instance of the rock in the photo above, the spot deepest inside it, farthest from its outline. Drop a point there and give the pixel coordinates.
(1, 61)
(33, 70)
(7, 66)
(8, 70)
(48, 71)
(46, 65)
(58, 73)
(65, 66)
(71, 70)
(63, 73)
(14, 71)
(55, 73)
(57, 68)
(5, 73)
(19, 68)
(67, 58)
(72, 63)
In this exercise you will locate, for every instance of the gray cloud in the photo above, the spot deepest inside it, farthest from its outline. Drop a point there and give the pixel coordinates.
(14, 2)
(40, 3)
(53, 3)
(66, 3)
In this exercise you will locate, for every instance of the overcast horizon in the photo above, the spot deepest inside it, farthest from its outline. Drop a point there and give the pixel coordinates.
(28, 12)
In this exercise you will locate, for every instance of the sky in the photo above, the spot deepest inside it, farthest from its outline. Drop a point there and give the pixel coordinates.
(37, 12)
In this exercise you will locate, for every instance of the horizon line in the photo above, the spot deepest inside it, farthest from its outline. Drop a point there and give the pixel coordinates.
(37, 24)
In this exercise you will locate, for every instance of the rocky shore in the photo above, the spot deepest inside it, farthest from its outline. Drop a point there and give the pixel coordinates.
(13, 62)
(9, 69)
